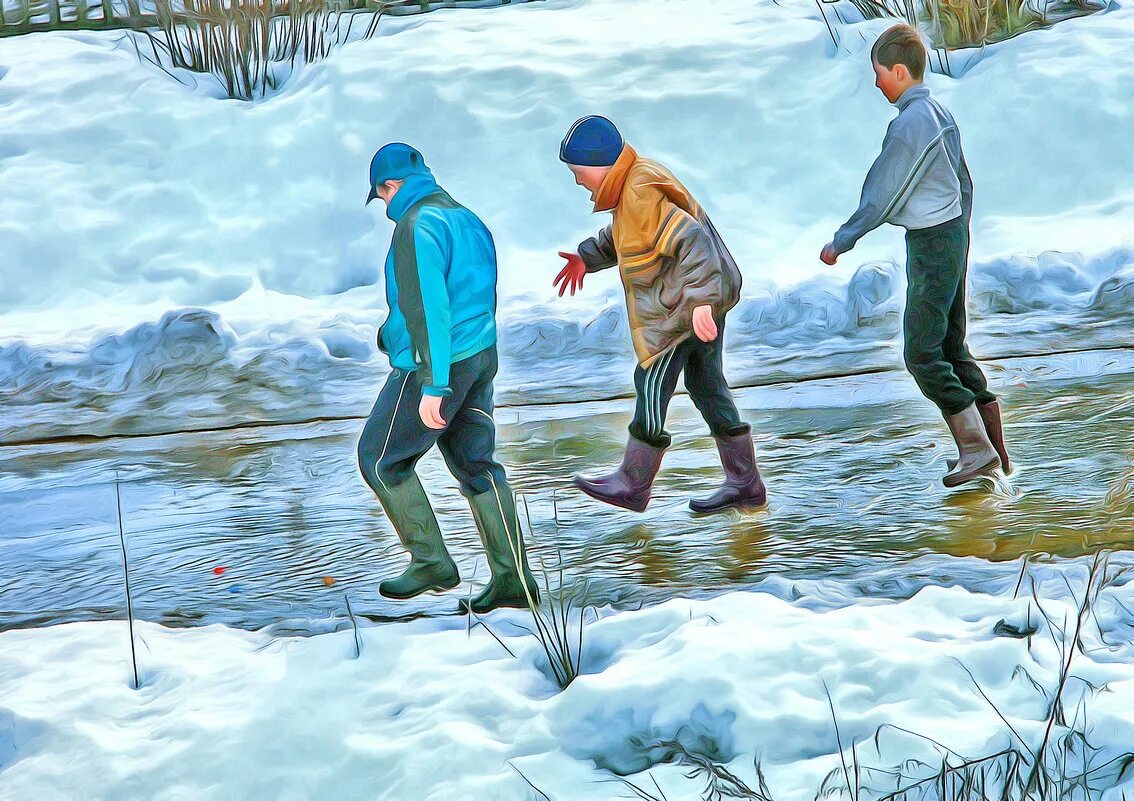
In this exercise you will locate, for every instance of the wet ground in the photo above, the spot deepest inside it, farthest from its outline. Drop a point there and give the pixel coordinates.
(273, 526)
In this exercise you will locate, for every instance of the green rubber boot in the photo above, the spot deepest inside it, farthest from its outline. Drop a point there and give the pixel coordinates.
(430, 567)
(499, 527)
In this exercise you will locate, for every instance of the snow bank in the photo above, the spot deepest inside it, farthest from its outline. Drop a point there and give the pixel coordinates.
(190, 369)
(126, 196)
(429, 712)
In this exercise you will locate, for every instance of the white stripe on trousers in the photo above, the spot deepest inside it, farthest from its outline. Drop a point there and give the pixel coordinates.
(389, 431)
(652, 391)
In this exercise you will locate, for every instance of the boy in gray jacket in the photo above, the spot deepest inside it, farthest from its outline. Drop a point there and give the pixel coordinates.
(921, 182)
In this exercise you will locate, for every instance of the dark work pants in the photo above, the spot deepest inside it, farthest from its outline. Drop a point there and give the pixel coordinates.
(394, 438)
(936, 353)
(705, 381)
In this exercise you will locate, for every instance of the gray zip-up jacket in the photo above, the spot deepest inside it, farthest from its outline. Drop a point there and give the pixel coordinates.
(920, 179)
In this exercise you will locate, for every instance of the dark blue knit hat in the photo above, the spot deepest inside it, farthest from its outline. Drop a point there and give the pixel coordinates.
(592, 142)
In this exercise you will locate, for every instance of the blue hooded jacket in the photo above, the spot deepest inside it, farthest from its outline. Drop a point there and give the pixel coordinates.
(440, 283)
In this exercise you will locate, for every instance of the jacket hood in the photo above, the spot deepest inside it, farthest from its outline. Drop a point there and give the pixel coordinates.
(610, 192)
(416, 186)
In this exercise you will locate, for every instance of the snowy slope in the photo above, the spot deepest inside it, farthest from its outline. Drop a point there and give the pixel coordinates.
(430, 714)
(125, 195)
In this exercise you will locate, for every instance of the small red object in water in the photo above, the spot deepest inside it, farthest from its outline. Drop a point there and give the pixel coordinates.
(218, 570)
(328, 580)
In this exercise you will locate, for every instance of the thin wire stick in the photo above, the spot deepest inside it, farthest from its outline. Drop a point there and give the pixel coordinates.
(126, 573)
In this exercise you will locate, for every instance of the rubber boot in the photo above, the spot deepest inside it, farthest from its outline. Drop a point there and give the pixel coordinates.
(743, 488)
(630, 485)
(431, 567)
(499, 526)
(994, 427)
(977, 456)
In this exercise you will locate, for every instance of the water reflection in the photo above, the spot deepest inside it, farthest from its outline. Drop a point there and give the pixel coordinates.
(854, 492)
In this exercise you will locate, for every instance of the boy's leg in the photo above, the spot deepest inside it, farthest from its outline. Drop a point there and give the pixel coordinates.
(392, 442)
(653, 388)
(955, 346)
(935, 268)
(468, 445)
(630, 486)
(934, 276)
(968, 370)
(708, 389)
(705, 380)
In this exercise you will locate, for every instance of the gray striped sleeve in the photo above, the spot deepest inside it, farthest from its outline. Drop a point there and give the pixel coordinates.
(894, 172)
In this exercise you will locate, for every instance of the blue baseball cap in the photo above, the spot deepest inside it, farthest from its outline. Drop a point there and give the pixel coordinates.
(394, 162)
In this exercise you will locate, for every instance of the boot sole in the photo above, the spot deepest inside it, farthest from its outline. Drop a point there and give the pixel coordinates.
(750, 506)
(463, 605)
(964, 478)
(442, 587)
(1005, 467)
(621, 504)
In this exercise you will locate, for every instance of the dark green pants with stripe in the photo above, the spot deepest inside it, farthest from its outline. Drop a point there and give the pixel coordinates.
(702, 364)
(936, 353)
(394, 439)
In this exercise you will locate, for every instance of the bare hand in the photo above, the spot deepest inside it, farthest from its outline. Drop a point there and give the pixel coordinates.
(704, 326)
(571, 276)
(829, 254)
(430, 411)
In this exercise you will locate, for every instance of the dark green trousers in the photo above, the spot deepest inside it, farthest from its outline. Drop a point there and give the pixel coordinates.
(936, 353)
(394, 438)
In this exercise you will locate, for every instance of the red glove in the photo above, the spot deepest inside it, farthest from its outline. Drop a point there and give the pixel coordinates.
(572, 275)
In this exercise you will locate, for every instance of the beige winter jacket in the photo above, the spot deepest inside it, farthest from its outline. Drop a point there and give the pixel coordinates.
(670, 256)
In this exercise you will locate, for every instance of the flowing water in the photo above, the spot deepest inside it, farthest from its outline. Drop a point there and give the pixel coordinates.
(274, 526)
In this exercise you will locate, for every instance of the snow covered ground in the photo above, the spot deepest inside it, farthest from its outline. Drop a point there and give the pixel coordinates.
(430, 712)
(174, 259)
(171, 259)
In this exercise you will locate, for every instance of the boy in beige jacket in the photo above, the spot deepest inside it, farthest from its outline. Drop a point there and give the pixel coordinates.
(680, 282)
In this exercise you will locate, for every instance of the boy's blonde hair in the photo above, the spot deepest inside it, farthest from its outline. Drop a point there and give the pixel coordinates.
(901, 44)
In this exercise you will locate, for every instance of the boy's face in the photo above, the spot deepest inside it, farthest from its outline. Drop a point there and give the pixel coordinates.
(892, 81)
(589, 178)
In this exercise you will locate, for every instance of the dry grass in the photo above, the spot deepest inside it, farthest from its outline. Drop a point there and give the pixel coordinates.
(1061, 764)
(560, 617)
(252, 46)
(970, 23)
(956, 24)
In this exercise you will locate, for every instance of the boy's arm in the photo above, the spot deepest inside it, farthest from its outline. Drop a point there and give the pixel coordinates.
(698, 265)
(966, 188)
(598, 252)
(888, 180)
(424, 300)
(681, 237)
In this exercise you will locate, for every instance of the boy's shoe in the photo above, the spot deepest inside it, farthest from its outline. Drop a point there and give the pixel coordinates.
(743, 488)
(431, 567)
(977, 456)
(499, 526)
(994, 427)
(421, 577)
(629, 486)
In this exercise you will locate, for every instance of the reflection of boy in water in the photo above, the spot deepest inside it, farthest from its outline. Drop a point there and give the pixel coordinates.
(440, 336)
(680, 281)
(921, 182)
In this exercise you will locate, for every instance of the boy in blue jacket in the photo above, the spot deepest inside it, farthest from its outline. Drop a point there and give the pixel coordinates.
(440, 337)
